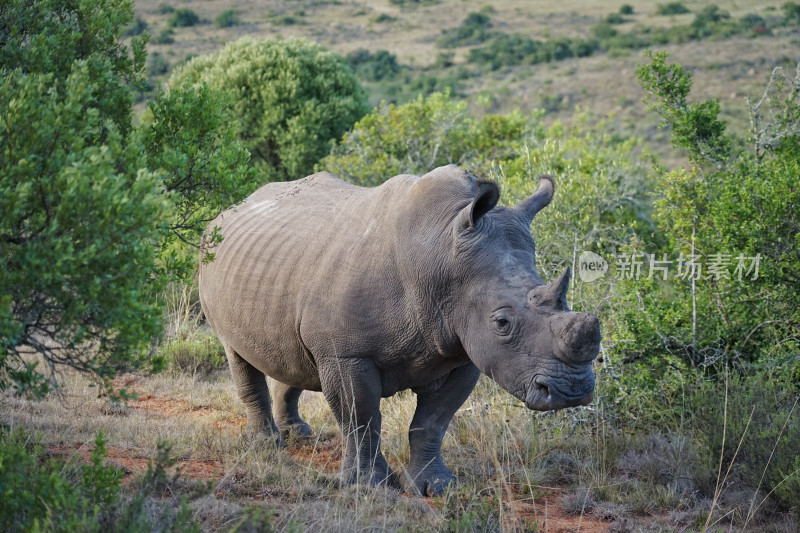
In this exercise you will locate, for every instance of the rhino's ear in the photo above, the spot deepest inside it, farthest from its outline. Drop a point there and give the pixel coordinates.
(485, 199)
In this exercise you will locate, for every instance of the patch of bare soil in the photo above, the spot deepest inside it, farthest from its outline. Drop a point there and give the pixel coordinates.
(548, 513)
(322, 453)
(133, 464)
(168, 407)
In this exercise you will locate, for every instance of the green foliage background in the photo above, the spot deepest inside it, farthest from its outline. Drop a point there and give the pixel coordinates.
(95, 210)
(292, 99)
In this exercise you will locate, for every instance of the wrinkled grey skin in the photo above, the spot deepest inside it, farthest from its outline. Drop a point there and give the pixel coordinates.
(421, 283)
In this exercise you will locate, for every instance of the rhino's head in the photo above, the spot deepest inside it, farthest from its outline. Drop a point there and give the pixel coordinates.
(514, 327)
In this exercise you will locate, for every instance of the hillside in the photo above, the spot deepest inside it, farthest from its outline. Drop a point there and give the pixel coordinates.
(728, 67)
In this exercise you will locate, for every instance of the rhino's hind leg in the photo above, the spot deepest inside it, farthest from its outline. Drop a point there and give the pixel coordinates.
(287, 415)
(426, 473)
(353, 391)
(251, 384)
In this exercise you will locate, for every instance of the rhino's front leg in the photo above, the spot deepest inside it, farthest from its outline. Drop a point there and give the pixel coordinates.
(427, 474)
(353, 391)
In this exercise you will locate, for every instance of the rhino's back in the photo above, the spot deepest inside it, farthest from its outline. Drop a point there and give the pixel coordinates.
(288, 248)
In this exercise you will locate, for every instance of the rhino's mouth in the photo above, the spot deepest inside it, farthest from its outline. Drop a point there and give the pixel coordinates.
(547, 393)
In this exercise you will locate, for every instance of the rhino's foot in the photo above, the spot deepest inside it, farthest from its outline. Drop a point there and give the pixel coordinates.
(430, 481)
(270, 434)
(376, 477)
(297, 430)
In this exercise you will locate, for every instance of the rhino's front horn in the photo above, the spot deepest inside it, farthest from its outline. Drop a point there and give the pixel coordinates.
(539, 199)
(558, 289)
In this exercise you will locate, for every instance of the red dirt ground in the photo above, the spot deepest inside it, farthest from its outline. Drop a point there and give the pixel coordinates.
(547, 512)
(323, 453)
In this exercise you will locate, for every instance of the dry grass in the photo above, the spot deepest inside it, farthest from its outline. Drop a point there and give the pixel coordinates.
(518, 470)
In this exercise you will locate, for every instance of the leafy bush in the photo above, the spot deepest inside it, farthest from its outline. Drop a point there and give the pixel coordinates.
(137, 27)
(671, 8)
(373, 67)
(93, 215)
(517, 49)
(734, 203)
(226, 19)
(626, 9)
(475, 29)
(190, 136)
(157, 65)
(165, 9)
(183, 18)
(615, 18)
(165, 36)
(69, 189)
(41, 492)
(413, 3)
(791, 12)
(755, 24)
(419, 136)
(287, 20)
(292, 98)
(752, 422)
(195, 355)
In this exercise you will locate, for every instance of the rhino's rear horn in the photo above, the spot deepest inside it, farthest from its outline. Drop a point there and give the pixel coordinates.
(539, 199)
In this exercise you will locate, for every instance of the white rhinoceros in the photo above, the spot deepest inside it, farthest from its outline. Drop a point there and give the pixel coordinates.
(421, 283)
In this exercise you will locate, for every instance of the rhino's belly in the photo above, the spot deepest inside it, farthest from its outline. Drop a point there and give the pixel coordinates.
(417, 374)
(275, 353)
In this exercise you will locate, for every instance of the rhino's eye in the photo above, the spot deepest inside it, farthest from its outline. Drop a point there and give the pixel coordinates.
(502, 324)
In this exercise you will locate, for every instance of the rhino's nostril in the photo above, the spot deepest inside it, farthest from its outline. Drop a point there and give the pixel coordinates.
(544, 388)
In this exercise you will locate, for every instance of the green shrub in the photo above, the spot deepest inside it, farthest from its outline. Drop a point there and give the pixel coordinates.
(195, 355)
(226, 19)
(183, 18)
(671, 8)
(190, 136)
(80, 219)
(292, 99)
(507, 50)
(754, 24)
(615, 18)
(413, 3)
(137, 27)
(373, 67)
(791, 13)
(165, 9)
(287, 20)
(42, 493)
(419, 136)
(735, 202)
(38, 492)
(383, 17)
(165, 36)
(95, 211)
(157, 65)
(518, 49)
(753, 422)
(626, 9)
(475, 29)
